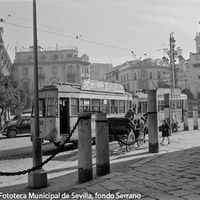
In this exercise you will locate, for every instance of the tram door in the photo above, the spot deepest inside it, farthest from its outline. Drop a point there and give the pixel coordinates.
(64, 116)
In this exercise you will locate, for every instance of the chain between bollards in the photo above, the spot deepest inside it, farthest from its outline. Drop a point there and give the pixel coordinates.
(59, 149)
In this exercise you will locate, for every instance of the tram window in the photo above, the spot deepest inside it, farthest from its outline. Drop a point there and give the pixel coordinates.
(42, 107)
(52, 109)
(121, 106)
(85, 105)
(74, 106)
(114, 106)
(139, 107)
(144, 107)
(95, 105)
(178, 104)
(105, 106)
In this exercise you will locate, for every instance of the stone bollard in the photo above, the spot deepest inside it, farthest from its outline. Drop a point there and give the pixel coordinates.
(102, 145)
(185, 116)
(85, 172)
(153, 122)
(195, 118)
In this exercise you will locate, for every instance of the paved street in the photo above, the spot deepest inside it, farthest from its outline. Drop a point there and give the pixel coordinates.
(173, 173)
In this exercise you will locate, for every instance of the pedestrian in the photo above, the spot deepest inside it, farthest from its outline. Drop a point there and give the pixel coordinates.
(165, 131)
(130, 114)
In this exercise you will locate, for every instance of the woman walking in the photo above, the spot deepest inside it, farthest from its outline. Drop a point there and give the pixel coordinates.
(165, 131)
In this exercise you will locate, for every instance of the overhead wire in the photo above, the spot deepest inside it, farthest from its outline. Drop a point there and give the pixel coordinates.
(79, 37)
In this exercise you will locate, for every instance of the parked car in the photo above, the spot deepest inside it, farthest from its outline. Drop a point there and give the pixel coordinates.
(20, 126)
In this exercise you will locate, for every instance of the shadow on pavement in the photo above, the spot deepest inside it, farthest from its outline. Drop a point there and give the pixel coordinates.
(178, 159)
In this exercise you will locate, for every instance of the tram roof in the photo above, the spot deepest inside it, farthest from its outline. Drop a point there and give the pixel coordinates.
(160, 92)
(87, 86)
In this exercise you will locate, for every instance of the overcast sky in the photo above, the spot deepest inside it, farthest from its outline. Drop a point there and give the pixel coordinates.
(108, 30)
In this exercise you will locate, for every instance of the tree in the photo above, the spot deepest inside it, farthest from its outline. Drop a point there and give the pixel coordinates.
(10, 95)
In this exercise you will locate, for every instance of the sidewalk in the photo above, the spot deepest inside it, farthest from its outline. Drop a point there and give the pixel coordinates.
(173, 173)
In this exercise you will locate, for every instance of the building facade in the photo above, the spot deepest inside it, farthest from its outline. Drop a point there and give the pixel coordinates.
(191, 71)
(144, 74)
(63, 65)
(98, 71)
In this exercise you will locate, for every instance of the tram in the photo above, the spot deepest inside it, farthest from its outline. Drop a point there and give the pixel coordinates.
(140, 99)
(60, 105)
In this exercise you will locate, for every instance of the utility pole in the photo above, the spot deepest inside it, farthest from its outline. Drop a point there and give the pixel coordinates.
(172, 77)
(37, 178)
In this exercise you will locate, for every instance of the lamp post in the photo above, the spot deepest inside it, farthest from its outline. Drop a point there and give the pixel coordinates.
(37, 178)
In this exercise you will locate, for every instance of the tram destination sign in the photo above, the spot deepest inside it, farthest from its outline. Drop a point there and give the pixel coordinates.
(101, 86)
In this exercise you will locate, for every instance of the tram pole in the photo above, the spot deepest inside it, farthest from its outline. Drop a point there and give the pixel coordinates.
(153, 122)
(37, 178)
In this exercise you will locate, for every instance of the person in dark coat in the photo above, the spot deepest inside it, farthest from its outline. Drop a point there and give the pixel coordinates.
(130, 114)
(165, 131)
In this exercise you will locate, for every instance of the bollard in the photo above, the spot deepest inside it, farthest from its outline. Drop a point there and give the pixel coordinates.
(102, 145)
(85, 172)
(195, 118)
(185, 116)
(153, 122)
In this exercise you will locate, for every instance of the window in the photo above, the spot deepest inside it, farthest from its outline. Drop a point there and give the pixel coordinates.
(52, 106)
(74, 106)
(69, 55)
(55, 57)
(42, 107)
(95, 105)
(150, 75)
(41, 84)
(25, 71)
(30, 58)
(26, 87)
(135, 76)
(85, 70)
(128, 87)
(121, 106)
(198, 76)
(139, 110)
(114, 107)
(54, 71)
(144, 107)
(43, 58)
(40, 70)
(85, 105)
(105, 107)
(70, 70)
(159, 75)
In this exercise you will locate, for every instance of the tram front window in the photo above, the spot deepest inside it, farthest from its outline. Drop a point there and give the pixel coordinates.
(52, 107)
(41, 108)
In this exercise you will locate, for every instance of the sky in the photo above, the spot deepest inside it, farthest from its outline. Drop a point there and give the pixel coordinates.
(108, 31)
